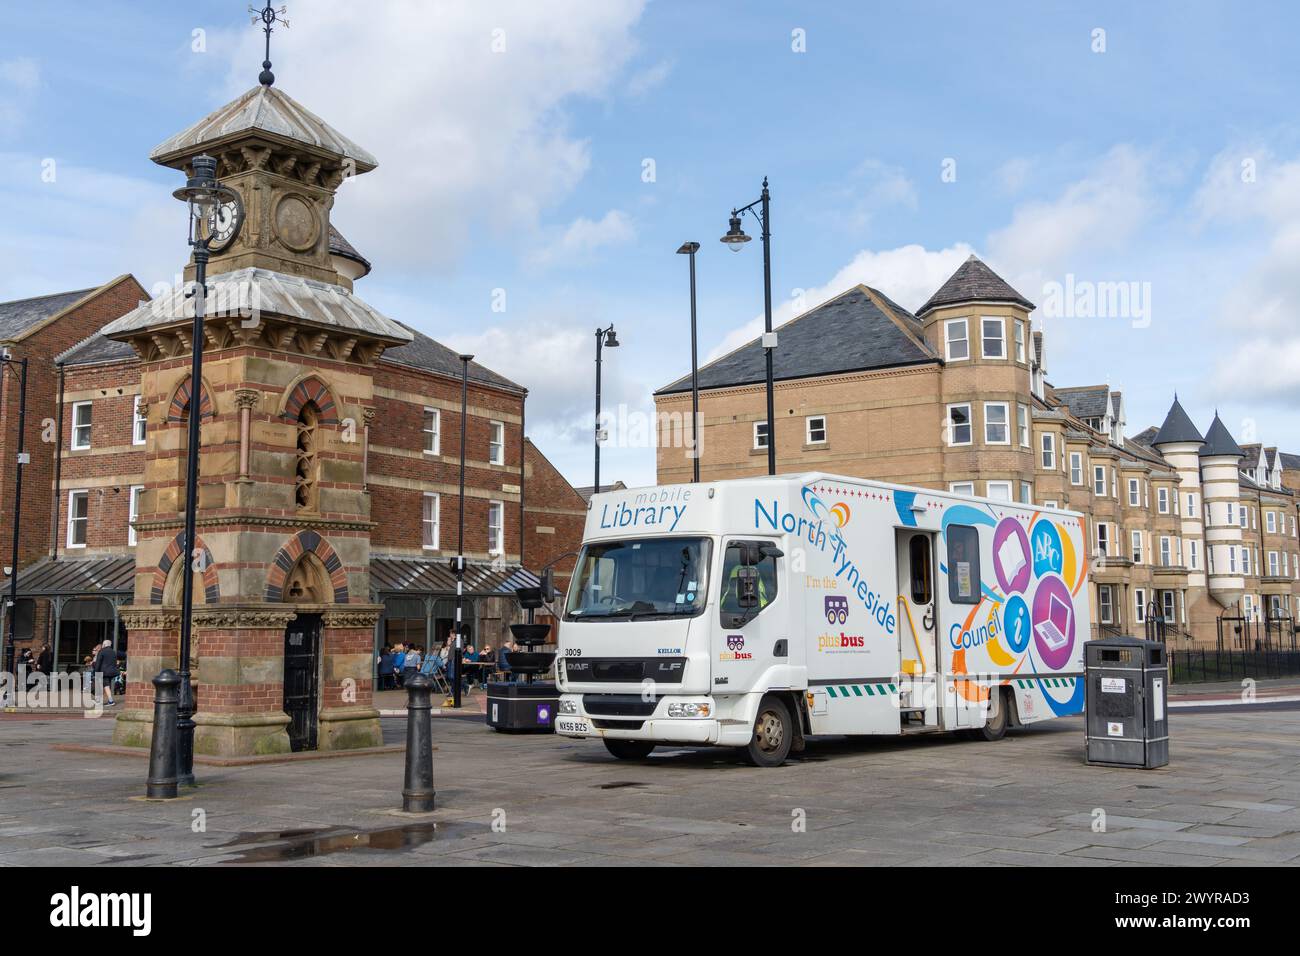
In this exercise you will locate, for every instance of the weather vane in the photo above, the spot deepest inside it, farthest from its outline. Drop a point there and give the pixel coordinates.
(269, 17)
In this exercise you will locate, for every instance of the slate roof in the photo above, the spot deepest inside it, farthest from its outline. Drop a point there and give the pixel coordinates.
(1250, 456)
(1290, 462)
(588, 490)
(974, 282)
(1219, 441)
(95, 350)
(1114, 404)
(1147, 437)
(1088, 401)
(339, 246)
(19, 316)
(858, 329)
(1177, 426)
(424, 353)
(265, 109)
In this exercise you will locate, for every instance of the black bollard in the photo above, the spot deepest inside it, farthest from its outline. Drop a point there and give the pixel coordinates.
(417, 793)
(161, 784)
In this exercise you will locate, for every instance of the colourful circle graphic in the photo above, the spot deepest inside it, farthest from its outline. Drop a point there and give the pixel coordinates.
(1053, 622)
(1016, 626)
(1046, 542)
(1011, 556)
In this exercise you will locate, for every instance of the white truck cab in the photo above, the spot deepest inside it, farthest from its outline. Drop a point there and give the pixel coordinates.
(754, 612)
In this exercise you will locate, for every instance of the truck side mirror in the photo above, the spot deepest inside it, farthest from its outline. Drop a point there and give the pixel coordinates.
(548, 585)
(747, 586)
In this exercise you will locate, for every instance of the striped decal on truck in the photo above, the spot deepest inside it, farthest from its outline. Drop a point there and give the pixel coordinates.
(1062, 682)
(861, 690)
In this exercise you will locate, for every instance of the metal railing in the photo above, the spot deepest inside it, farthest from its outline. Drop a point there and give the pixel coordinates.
(1200, 666)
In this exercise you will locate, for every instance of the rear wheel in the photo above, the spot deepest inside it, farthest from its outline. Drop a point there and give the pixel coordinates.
(995, 727)
(773, 734)
(629, 749)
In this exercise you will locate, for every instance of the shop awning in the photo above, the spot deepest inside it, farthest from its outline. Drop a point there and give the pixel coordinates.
(434, 576)
(79, 577)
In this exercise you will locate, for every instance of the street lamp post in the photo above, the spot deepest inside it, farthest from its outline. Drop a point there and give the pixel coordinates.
(216, 214)
(605, 338)
(736, 238)
(11, 615)
(459, 645)
(689, 249)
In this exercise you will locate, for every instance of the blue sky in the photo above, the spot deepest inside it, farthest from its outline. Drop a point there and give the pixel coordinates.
(1169, 160)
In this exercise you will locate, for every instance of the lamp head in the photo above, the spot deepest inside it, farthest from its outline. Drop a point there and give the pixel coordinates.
(735, 237)
(611, 339)
(688, 249)
(216, 211)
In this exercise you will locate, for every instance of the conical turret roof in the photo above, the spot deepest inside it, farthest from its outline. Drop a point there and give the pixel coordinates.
(974, 282)
(1219, 441)
(1178, 427)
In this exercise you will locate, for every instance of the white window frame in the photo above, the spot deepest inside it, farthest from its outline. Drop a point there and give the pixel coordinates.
(90, 421)
(1166, 551)
(990, 485)
(1006, 423)
(808, 430)
(436, 521)
(1193, 556)
(1020, 341)
(1076, 468)
(1022, 425)
(1134, 492)
(1135, 539)
(1105, 604)
(496, 443)
(962, 488)
(1101, 535)
(949, 340)
(1048, 442)
(497, 508)
(1191, 504)
(1140, 605)
(139, 423)
(1099, 480)
(436, 431)
(757, 443)
(1270, 522)
(1162, 501)
(1245, 561)
(969, 425)
(73, 494)
(1274, 564)
(1026, 493)
(1001, 337)
(132, 512)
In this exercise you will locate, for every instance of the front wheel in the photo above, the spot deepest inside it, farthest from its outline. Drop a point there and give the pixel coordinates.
(995, 728)
(773, 734)
(629, 749)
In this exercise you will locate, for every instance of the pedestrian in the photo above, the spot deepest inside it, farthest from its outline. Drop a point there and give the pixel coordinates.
(106, 666)
(386, 659)
(503, 660)
(411, 665)
(399, 663)
(45, 661)
(87, 674)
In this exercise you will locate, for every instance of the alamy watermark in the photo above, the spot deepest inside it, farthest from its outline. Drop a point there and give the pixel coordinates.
(1084, 299)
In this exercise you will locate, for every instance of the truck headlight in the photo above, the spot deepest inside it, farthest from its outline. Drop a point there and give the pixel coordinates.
(688, 710)
(568, 706)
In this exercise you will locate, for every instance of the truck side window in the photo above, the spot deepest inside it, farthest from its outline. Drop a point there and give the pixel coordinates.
(733, 615)
(919, 560)
(963, 564)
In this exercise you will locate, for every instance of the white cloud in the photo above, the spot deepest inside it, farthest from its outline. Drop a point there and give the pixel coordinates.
(468, 139)
(576, 244)
(643, 81)
(1102, 211)
(909, 275)
(19, 78)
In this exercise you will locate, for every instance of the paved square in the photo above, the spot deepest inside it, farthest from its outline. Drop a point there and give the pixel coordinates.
(1230, 796)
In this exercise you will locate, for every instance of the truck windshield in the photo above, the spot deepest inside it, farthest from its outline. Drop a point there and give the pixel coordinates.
(665, 577)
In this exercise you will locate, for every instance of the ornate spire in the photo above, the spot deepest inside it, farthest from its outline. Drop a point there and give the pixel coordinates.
(269, 18)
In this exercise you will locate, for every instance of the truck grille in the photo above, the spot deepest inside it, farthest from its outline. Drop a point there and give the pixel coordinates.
(618, 705)
(626, 670)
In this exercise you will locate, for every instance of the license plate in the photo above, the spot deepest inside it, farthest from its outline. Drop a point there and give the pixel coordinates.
(570, 726)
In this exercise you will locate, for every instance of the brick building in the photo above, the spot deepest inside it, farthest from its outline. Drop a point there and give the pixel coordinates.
(328, 494)
(1190, 531)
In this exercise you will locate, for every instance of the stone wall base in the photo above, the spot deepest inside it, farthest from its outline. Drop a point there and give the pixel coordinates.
(133, 728)
(348, 728)
(241, 735)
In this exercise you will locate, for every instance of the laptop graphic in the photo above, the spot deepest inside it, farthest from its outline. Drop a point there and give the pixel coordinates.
(1055, 629)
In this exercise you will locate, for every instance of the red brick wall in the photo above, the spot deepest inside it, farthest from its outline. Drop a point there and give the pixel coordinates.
(399, 424)
(551, 502)
(112, 464)
(40, 348)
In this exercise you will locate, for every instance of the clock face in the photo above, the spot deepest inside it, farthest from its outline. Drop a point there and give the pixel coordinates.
(225, 224)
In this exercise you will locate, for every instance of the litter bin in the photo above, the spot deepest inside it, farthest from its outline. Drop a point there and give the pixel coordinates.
(1127, 680)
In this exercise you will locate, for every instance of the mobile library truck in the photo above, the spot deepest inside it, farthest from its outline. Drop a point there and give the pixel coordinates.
(756, 612)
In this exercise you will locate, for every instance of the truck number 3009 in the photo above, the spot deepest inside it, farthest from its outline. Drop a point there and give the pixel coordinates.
(573, 652)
